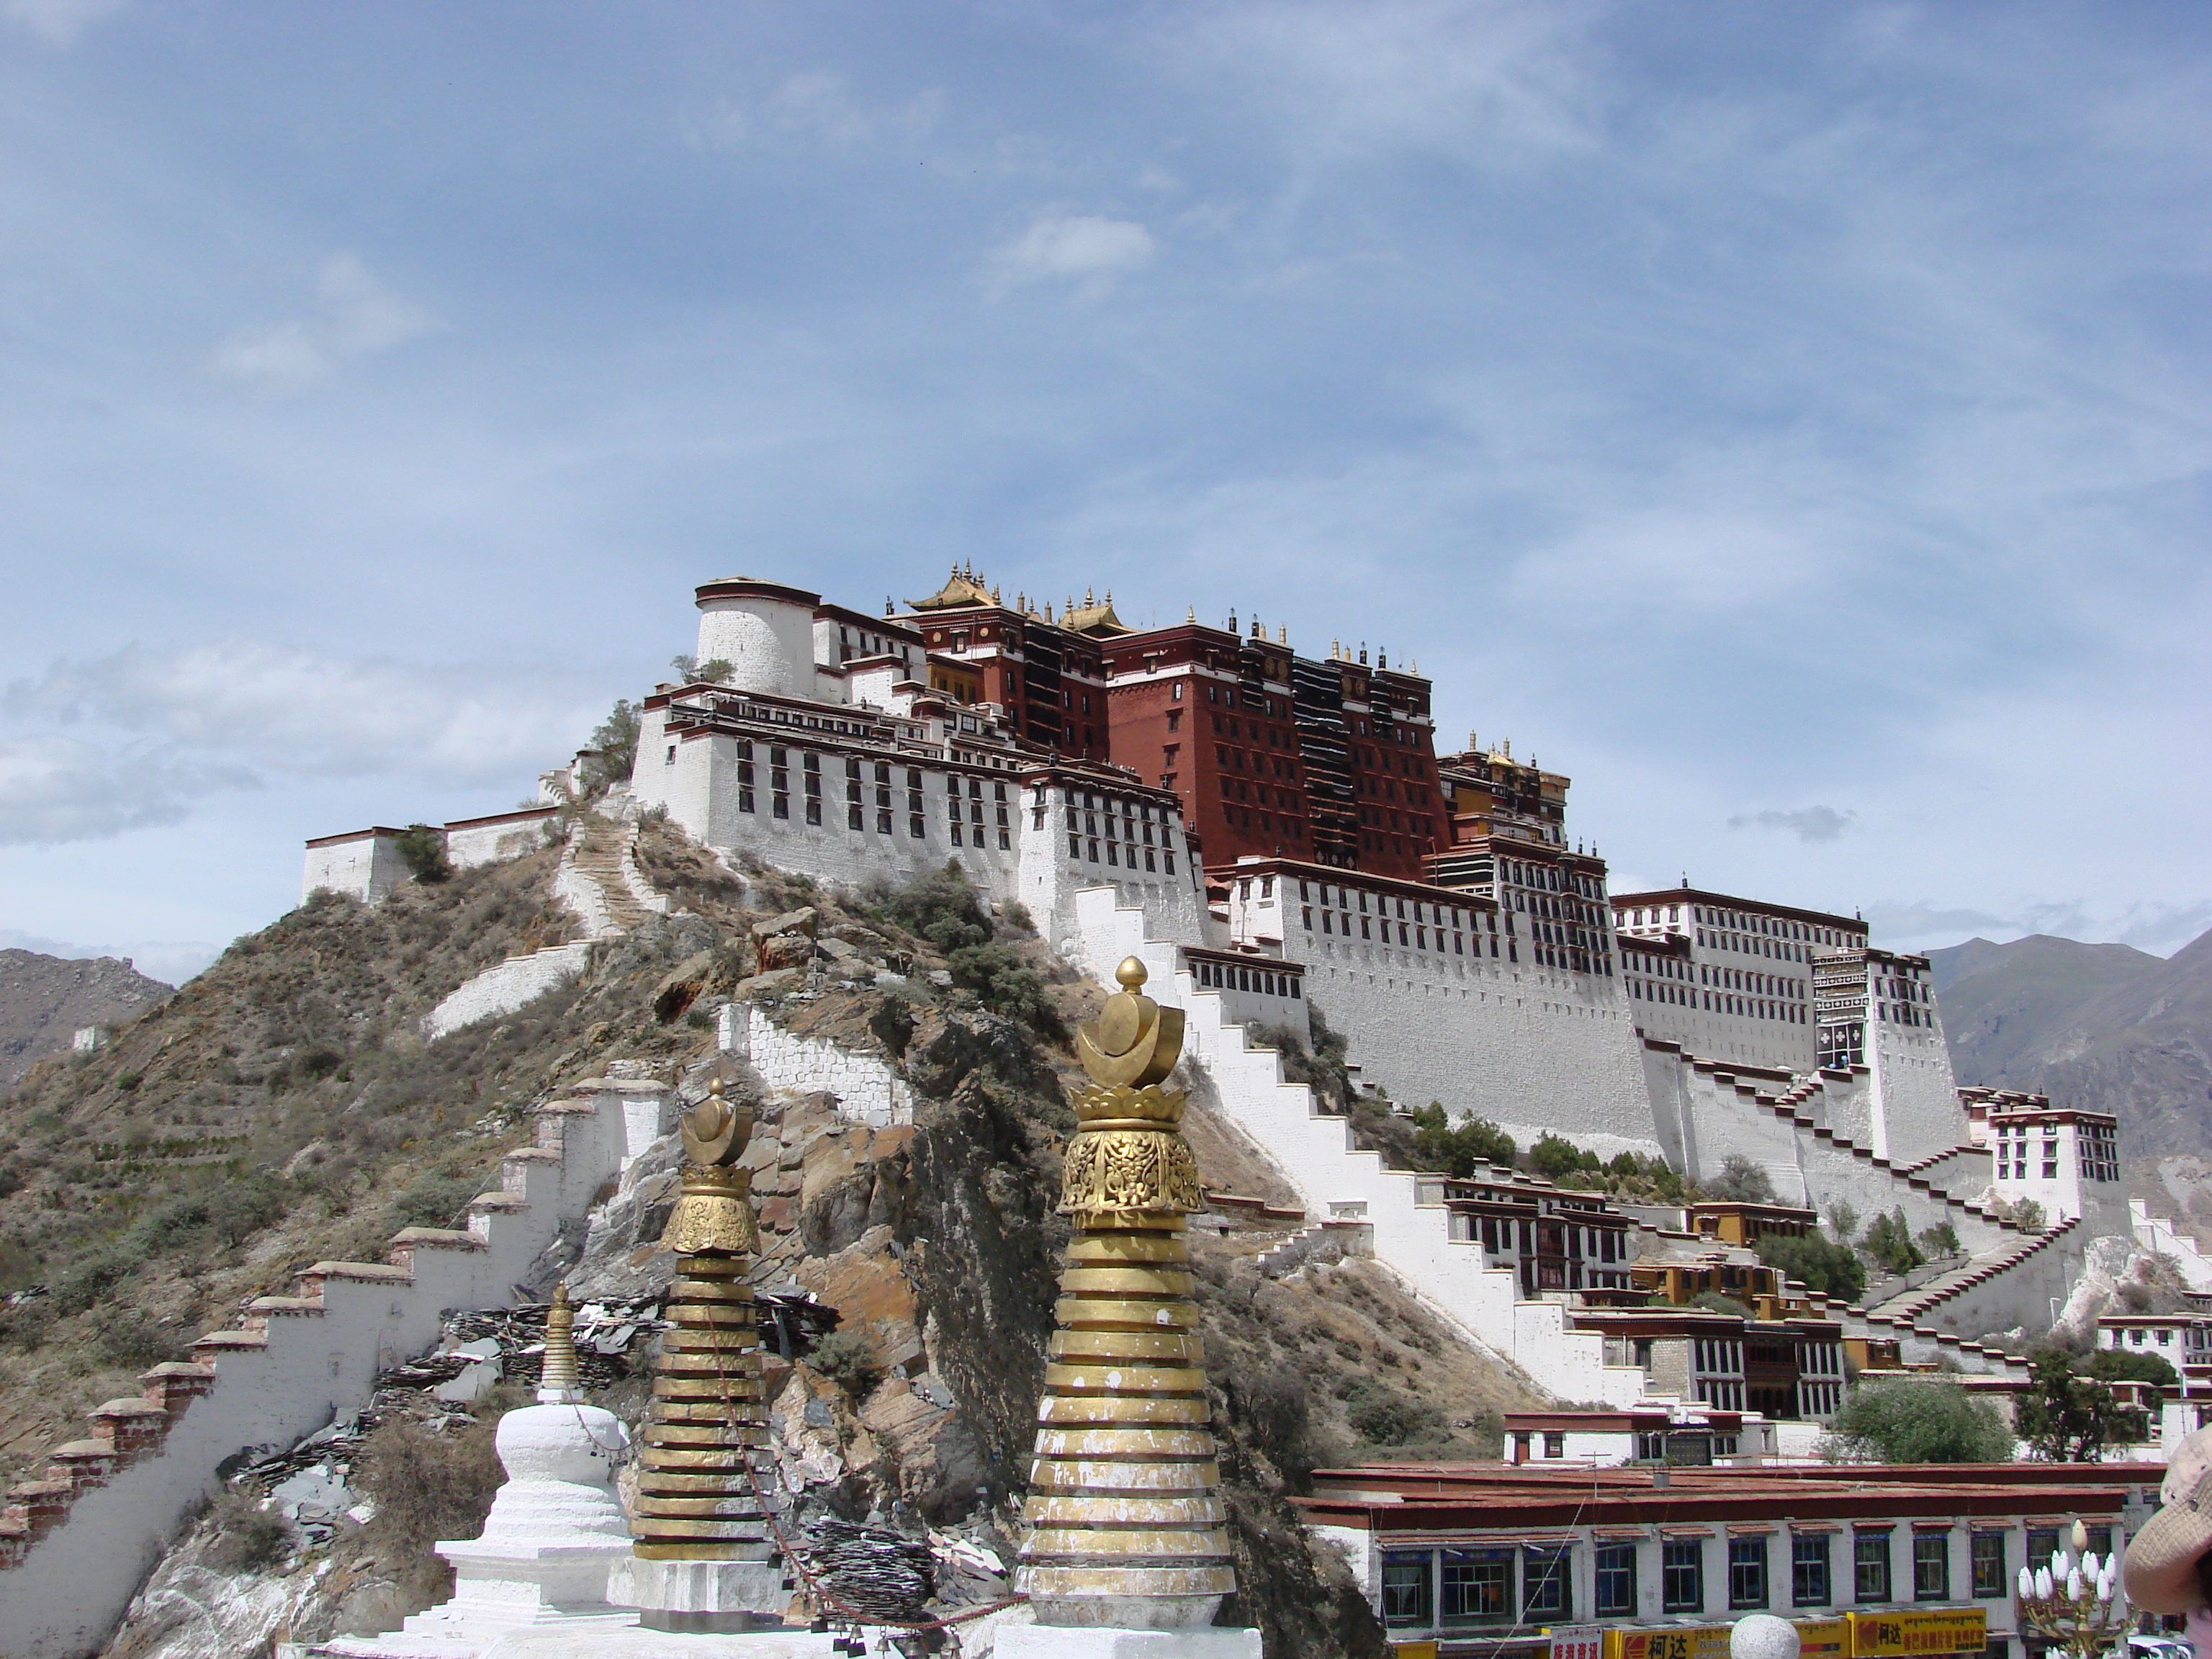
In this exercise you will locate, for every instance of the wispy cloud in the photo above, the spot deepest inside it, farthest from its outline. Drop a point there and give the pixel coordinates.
(357, 315)
(133, 740)
(1490, 82)
(58, 23)
(60, 789)
(1087, 249)
(1808, 823)
(818, 107)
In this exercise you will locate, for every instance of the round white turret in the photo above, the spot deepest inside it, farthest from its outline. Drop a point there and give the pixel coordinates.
(763, 630)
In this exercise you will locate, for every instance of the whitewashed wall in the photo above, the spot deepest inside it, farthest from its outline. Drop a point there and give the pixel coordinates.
(866, 1089)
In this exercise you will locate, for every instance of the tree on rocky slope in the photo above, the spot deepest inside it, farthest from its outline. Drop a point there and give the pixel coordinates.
(1918, 1421)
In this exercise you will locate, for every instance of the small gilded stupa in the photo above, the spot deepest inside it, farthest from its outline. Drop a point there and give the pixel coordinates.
(1124, 1490)
(704, 1560)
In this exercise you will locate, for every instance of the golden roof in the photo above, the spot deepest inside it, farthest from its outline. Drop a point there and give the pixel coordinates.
(962, 588)
(1090, 617)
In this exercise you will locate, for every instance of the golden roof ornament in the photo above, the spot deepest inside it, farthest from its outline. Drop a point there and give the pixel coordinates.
(1124, 1488)
(558, 1381)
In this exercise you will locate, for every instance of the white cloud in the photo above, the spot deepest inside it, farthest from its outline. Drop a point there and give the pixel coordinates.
(58, 22)
(1491, 83)
(224, 716)
(1808, 823)
(818, 107)
(57, 789)
(357, 316)
(1085, 248)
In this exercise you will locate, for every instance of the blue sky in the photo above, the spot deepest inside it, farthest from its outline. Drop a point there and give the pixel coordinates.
(1790, 421)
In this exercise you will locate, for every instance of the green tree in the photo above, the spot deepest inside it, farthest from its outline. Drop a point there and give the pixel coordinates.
(2028, 1216)
(1889, 1241)
(422, 850)
(1740, 1182)
(1819, 1264)
(1456, 1148)
(2068, 1414)
(1555, 1157)
(1921, 1419)
(614, 743)
(1845, 1219)
(2124, 1366)
(1938, 1242)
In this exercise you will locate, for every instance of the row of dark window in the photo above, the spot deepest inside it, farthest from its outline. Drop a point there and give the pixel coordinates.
(1481, 1585)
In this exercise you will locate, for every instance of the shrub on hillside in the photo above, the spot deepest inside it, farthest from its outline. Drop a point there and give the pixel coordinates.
(422, 850)
(1739, 1182)
(1819, 1264)
(844, 1358)
(1555, 1157)
(427, 1486)
(940, 906)
(1888, 1241)
(243, 1536)
(1456, 1148)
(1918, 1421)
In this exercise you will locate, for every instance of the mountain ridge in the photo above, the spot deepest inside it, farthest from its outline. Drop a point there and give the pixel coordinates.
(2101, 1027)
(46, 1001)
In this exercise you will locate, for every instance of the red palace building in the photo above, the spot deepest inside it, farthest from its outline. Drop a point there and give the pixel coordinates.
(1330, 761)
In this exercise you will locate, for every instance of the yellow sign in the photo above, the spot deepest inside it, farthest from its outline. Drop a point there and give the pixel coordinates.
(1675, 1642)
(1892, 1635)
(1856, 1635)
(1414, 1650)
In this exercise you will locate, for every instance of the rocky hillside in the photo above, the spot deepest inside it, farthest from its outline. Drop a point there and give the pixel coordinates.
(283, 1107)
(2099, 1026)
(46, 1001)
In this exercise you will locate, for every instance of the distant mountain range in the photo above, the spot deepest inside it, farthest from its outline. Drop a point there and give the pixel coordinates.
(45, 1001)
(2104, 1027)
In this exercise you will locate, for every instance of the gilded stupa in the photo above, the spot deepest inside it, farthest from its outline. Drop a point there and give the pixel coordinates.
(1124, 1490)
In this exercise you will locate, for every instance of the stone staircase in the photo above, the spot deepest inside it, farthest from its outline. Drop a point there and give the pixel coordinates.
(74, 1545)
(1349, 1190)
(598, 879)
(1911, 1303)
(604, 851)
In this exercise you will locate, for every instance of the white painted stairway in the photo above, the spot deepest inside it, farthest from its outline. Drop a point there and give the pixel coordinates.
(1339, 1183)
(75, 1546)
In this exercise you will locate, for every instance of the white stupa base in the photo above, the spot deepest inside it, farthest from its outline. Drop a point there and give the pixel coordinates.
(502, 1588)
(1098, 1642)
(554, 1532)
(684, 1596)
(634, 1643)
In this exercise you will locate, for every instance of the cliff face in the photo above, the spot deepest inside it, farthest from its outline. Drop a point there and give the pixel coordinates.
(283, 1107)
(46, 1001)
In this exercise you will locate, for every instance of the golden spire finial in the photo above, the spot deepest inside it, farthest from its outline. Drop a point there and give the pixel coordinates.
(994, 593)
(558, 1382)
(1134, 1042)
(1088, 601)
(1190, 613)
(1282, 634)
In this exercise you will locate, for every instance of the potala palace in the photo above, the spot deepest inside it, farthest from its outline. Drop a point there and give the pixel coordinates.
(1276, 836)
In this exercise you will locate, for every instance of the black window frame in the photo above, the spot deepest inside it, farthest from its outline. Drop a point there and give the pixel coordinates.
(1811, 1568)
(1931, 1566)
(1682, 1560)
(1987, 1552)
(1871, 1556)
(1415, 1580)
(1547, 1589)
(1613, 1581)
(1748, 1559)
